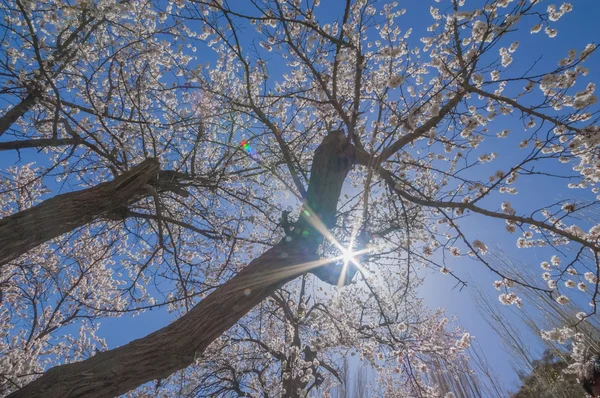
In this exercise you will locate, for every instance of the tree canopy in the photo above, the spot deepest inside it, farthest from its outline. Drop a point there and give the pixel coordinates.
(278, 174)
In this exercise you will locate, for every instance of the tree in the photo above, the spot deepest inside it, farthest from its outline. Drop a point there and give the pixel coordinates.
(298, 341)
(400, 127)
(547, 379)
(550, 371)
(60, 214)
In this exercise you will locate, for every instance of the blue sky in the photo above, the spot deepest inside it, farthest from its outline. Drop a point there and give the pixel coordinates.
(576, 30)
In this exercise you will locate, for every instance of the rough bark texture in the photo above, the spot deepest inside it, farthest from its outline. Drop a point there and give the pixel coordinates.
(174, 347)
(29, 228)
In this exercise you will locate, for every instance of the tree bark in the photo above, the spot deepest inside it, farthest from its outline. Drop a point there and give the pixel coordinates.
(37, 143)
(175, 346)
(29, 228)
(17, 111)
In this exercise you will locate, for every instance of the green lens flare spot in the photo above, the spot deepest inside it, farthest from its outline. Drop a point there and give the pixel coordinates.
(305, 233)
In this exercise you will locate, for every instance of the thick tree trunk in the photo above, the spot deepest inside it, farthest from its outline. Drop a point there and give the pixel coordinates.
(156, 356)
(174, 347)
(29, 228)
(331, 163)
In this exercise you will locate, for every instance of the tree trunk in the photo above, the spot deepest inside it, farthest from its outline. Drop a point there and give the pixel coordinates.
(175, 346)
(29, 228)
(156, 356)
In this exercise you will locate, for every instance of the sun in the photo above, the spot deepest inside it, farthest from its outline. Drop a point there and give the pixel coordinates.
(348, 256)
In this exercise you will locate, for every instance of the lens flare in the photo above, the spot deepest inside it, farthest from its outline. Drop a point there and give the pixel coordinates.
(246, 146)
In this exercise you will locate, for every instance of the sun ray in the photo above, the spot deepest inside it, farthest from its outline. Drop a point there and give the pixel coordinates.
(272, 276)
